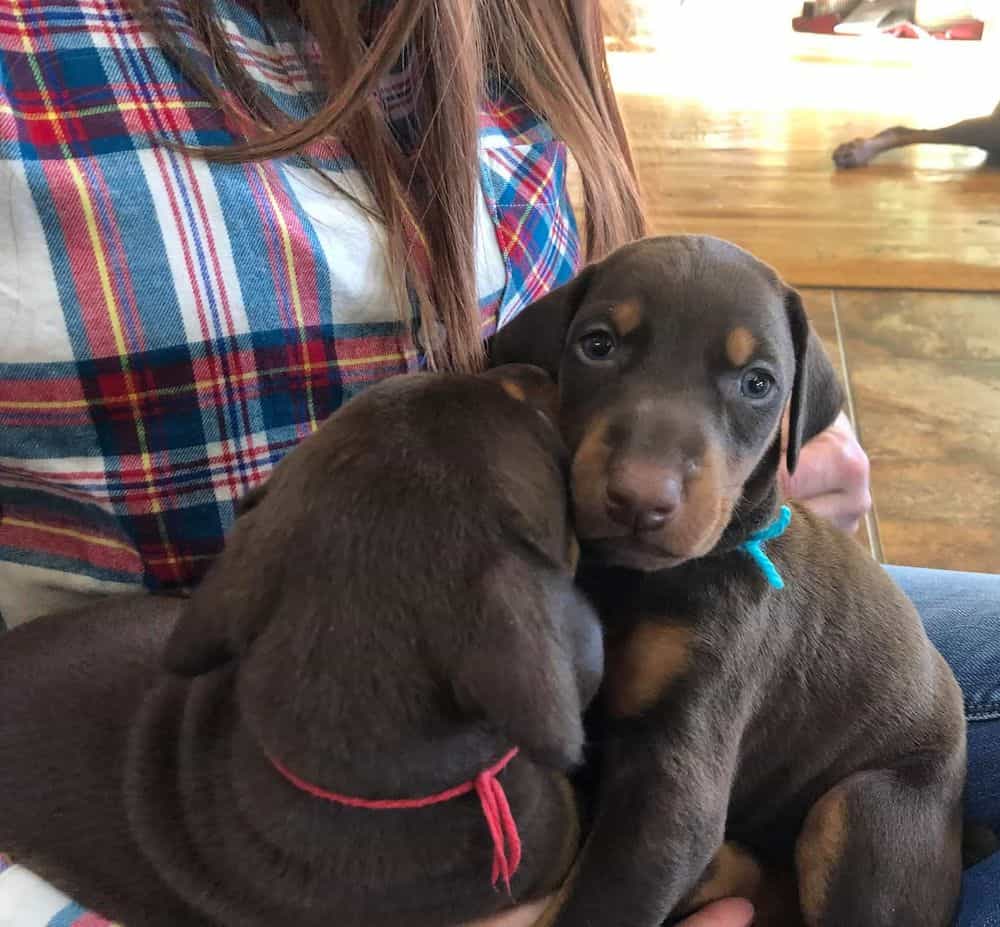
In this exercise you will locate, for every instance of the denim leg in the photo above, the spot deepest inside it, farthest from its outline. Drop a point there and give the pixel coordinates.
(961, 612)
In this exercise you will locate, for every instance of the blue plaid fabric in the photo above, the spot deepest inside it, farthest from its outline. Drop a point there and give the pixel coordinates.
(169, 328)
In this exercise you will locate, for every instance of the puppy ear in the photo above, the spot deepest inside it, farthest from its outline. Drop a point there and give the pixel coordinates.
(251, 499)
(229, 607)
(528, 384)
(533, 662)
(817, 396)
(536, 336)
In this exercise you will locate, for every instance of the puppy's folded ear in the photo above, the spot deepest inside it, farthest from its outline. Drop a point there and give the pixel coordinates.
(230, 606)
(533, 661)
(817, 396)
(536, 336)
(529, 384)
(251, 499)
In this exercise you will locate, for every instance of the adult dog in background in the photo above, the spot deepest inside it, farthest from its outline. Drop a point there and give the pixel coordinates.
(983, 133)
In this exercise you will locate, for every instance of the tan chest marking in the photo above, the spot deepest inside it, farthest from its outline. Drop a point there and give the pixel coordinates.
(644, 665)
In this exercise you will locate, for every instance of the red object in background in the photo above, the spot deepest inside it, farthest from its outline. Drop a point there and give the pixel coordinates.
(970, 30)
(823, 25)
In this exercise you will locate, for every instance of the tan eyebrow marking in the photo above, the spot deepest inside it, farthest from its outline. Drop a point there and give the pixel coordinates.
(740, 345)
(626, 317)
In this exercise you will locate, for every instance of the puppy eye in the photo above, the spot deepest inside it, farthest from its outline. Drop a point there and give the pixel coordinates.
(756, 384)
(597, 345)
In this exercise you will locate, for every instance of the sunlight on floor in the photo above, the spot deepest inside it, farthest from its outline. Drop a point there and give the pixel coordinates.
(733, 120)
(727, 56)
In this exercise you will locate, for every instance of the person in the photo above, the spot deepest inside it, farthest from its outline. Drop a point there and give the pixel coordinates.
(226, 217)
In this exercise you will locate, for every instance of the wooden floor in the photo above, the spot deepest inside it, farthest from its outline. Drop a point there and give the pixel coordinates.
(923, 375)
(900, 261)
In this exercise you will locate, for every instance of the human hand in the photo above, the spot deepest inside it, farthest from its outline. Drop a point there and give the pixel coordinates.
(730, 912)
(522, 915)
(831, 477)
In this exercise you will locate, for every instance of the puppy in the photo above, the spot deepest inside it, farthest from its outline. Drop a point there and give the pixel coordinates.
(766, 683)
(372, 699)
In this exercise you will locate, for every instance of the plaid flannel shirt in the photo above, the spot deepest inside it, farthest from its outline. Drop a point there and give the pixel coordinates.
(169, 328)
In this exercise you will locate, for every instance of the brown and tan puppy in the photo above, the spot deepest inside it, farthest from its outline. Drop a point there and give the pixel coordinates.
(814, 726)
(393, 612)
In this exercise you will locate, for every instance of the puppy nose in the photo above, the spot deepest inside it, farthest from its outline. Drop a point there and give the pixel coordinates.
(643, 498)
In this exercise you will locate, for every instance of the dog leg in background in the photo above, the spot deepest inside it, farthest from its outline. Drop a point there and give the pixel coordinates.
(983, 132)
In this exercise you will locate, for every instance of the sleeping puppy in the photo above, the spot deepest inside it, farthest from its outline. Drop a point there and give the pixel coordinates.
(767, 684)
(362, 716)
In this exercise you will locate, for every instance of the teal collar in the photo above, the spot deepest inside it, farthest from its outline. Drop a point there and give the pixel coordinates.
(754, 546)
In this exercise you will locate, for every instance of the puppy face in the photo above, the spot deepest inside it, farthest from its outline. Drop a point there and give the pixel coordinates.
(676, 358)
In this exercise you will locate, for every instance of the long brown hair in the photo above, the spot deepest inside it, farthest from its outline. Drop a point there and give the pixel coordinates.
(551, 51)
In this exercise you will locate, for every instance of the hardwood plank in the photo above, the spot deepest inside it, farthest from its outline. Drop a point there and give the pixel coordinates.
(736, 139)
(925, 375)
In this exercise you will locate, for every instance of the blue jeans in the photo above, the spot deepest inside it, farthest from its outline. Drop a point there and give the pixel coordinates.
(961, 612)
